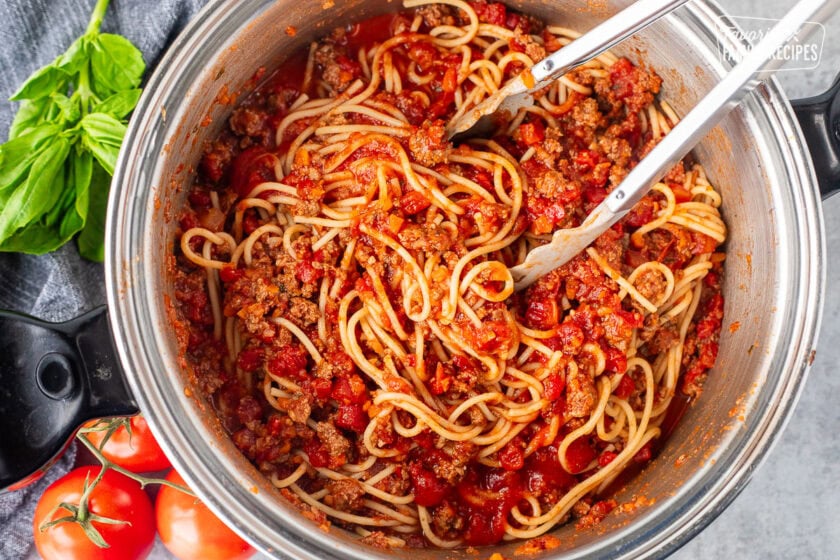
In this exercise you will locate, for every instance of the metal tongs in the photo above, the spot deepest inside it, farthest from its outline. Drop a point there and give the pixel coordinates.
(726, 95)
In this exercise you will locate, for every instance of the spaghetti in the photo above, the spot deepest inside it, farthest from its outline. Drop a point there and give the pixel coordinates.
(344, 282)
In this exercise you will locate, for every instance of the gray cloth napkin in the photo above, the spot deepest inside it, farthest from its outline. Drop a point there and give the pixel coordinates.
(61, 285)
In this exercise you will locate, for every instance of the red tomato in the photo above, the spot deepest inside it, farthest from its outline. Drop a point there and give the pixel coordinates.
(137, 452)
(191, 531)
(115, 497)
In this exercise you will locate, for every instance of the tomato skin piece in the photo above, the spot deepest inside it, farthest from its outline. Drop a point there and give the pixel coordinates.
(190, 531)
(116, 497)
(138, 452)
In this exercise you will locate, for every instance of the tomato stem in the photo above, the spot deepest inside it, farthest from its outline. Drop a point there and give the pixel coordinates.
(107, 464)
(82, 514)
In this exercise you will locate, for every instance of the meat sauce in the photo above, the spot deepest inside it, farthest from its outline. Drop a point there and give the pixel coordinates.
(604, 145)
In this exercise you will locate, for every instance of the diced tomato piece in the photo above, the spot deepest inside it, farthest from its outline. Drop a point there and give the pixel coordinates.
(428, 489)
(289, 361)
(199, 199)
(249, 359)
(633, 319)
(625, 387)
(623, 78)
(425, 439)
(641, 214)
(680, 193)
(491, 336)
(306, 273)
(440, 383)
(702, 243)
(480, 176)
(274, 426)
(350, 389)
(711, 280)
(553, 386)
(586, 160)
(250, 222)
(413, 202)
(513, 21)
(568, 337)
(644, 454)
(511, 456)
(594, 195)
(321, 388)
(351, 417)
(545, 474)
(442, 104)
(493, 13)
(449, 82)
(423, 53)
(542, 313)
(532, 133)
(579, 454)
(229, 273)
(606, 458)
(487, 496)
(319, 455)
(616, 360)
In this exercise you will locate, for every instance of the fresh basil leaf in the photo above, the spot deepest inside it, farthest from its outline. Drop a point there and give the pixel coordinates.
(116, 64)
(92, 239)
(71, 224)
(18, 155)
(66, 198)
(81, 173)
(103, 128)
(69, 107)
(42, 83)
(68, 216)
(56, 75)
(43, 236)
(35, 239)
(34, 197)
(30, 114)
(120, 104)
(102, 137)
(75, 57)
(105, 154)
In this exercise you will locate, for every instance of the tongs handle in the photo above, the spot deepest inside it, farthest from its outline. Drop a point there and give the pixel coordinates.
(738, 82)
(604, 36)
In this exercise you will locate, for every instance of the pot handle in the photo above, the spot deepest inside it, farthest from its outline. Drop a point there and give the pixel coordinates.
(53, 377)
(819, 118)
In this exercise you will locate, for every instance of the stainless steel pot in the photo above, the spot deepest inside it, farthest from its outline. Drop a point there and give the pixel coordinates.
(774, 277)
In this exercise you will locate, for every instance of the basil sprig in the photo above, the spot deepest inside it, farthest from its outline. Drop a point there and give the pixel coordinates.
(56, 168)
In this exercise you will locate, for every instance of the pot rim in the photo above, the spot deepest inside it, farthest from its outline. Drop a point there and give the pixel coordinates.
(232, 494)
